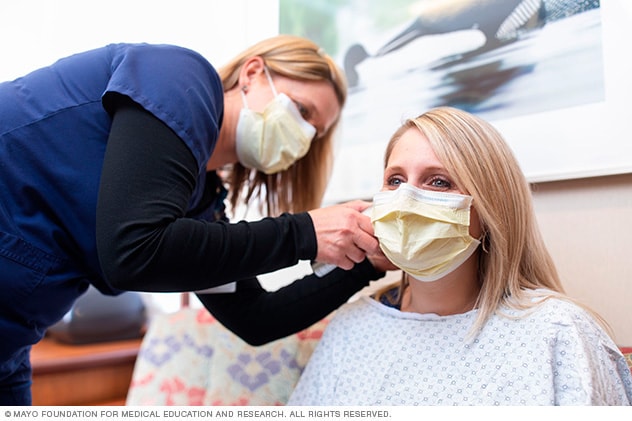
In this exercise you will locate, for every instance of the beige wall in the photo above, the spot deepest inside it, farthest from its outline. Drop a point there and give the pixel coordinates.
(587, 225)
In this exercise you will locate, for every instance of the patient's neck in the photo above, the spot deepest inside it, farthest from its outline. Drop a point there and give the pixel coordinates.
(454, 294)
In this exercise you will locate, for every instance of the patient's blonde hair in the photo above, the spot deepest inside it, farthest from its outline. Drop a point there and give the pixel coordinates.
(514, 260)
(302, 186)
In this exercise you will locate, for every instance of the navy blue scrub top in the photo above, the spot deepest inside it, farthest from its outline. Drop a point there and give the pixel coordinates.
(53, 132)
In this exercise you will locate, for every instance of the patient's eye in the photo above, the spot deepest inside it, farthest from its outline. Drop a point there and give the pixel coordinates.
(441, 183)
(394, 181)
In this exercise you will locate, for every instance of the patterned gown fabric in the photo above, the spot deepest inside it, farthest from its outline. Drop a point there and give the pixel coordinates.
(373, 354)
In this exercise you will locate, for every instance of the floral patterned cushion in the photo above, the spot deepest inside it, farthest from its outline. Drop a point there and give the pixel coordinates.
(189, 358)
(627, 353)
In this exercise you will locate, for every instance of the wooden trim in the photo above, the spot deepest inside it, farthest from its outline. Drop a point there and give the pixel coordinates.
(50, 356)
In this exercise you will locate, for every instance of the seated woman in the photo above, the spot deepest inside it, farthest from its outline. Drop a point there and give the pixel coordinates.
(480, 316)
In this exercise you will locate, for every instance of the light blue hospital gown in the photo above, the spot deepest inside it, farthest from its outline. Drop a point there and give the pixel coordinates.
(373, 354)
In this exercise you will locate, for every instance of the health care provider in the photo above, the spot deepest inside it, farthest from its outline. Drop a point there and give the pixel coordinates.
(109, 164)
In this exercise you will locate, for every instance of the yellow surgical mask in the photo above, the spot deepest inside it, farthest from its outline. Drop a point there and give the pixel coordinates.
(425, 233)
(273, 140)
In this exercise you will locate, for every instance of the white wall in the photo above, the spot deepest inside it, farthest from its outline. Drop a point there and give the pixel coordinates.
(35, 33)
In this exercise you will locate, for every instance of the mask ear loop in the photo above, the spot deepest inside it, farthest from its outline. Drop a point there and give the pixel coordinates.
(243, 91)
(265, 69)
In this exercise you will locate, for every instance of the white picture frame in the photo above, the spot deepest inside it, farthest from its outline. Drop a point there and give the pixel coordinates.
(585, 140)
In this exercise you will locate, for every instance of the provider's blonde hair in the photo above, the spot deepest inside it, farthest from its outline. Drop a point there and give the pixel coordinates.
(302, 186)
(513, 260)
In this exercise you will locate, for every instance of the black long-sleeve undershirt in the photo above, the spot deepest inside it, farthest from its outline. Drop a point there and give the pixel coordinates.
(259, 316)
(146, 243)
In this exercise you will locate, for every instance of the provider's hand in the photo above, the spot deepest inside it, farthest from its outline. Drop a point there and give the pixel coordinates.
(344, 234)
(381, 263)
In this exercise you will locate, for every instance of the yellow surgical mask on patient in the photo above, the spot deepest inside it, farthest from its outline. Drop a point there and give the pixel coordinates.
(273, 140)
(425, 233)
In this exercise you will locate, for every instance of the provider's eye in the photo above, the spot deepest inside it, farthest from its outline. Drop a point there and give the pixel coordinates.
(302, 109)
(306, 113)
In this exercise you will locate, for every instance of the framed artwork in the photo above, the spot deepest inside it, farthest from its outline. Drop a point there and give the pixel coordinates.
(551, 75)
